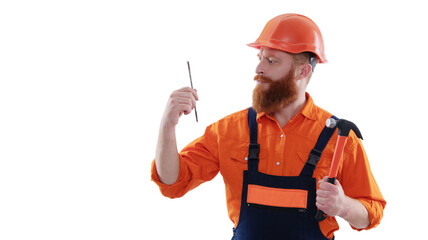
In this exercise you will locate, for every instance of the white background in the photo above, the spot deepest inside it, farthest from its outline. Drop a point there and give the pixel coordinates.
(83, 85)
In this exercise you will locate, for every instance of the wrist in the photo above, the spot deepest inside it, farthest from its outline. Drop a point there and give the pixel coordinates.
(167, 124)
(354, 212)
(345, 208)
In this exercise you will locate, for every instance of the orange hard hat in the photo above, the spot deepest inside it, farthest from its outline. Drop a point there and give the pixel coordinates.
(293, 33)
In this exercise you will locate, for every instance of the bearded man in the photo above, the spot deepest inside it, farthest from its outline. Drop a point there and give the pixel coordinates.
(275, 156)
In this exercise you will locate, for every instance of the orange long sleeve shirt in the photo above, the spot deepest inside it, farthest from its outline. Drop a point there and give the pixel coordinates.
(284, 152)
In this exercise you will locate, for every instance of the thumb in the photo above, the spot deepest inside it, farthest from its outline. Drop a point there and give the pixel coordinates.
(337, 183)
(324, 179)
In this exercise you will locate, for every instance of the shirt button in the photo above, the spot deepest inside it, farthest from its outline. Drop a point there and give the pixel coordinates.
(282, 135)
(246, 158)
(277, 163)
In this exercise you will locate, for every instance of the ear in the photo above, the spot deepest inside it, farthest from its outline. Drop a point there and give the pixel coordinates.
(303, 71)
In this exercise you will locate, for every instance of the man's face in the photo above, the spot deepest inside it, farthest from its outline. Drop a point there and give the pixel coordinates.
(274, 64)
(276, 86)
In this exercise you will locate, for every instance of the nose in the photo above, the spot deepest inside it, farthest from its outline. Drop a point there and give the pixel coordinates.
(259, 68)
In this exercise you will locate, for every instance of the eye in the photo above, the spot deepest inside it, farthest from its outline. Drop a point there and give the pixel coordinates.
(270, 60)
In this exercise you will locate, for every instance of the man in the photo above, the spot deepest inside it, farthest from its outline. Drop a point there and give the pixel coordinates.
(270, 161)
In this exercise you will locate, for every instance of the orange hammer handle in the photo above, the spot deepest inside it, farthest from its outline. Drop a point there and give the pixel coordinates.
(338, 152)
(337, 156)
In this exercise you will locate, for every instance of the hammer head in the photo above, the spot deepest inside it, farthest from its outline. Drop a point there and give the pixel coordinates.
(344, 127)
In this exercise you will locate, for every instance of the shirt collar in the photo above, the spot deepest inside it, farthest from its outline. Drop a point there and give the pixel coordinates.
(307, 110)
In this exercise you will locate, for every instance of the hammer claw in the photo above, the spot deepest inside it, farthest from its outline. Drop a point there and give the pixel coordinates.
(357, 132)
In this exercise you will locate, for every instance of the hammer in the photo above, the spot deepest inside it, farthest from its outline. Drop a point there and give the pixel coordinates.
(344, 127)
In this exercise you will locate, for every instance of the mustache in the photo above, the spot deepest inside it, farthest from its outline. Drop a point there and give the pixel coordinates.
(263, 79)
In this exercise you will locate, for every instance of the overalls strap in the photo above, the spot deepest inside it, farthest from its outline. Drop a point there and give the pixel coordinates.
(315, 154)
(254, 147)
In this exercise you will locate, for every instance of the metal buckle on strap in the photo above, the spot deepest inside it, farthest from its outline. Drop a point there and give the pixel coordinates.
(314, 157)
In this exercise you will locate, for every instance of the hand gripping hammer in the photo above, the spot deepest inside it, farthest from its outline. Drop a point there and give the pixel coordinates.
(344, 127)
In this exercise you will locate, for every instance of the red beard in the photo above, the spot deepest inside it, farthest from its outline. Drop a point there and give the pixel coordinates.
(278, 94)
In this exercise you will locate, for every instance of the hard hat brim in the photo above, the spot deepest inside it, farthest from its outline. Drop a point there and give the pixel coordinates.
(295, 49)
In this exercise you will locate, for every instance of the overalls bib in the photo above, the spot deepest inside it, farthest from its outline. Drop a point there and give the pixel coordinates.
(279, 207)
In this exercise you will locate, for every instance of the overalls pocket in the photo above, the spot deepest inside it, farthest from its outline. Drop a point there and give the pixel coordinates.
(280, 210)
(277, 198)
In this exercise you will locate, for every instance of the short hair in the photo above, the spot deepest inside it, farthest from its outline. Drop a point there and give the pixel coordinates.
(304, 58)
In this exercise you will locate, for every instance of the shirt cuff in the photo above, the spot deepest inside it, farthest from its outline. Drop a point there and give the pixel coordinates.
(172, 190)
(375, 211)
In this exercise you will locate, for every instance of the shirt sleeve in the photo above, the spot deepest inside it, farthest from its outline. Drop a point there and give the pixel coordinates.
(198, 164)
(359, 183)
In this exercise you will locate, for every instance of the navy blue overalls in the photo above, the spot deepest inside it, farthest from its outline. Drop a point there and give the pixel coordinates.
(263, 217)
